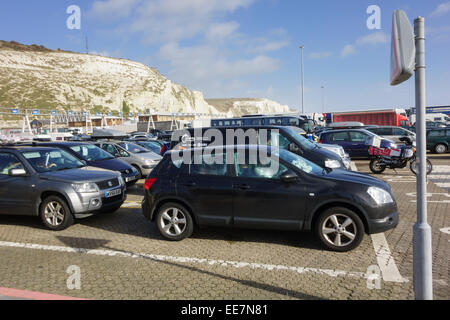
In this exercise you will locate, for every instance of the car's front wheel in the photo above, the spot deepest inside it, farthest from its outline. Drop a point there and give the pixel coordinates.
(339, 229)
(55, 213)
(174, 222)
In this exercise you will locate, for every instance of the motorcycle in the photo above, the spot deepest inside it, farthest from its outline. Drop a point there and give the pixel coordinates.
(382, 158)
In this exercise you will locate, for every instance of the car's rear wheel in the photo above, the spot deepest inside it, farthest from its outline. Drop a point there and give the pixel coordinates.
(55, 213)
(440, 148)
(339, 229)
(174, 222)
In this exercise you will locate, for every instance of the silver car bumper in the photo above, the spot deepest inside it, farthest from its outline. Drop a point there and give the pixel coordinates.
(90, 203)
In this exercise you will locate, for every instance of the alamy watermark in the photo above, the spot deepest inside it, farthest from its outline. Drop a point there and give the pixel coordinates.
(373, 274)
(74, 280)
(374, 20)
(73, 22)
(212, 147)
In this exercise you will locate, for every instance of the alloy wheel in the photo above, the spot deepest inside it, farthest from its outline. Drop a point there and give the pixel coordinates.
(54, 213)
(339, 230)
(173, 222)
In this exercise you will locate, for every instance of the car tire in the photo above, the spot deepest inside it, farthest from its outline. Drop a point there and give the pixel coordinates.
(174, 222)
(334, 235)
(440, 148)
(139, 171)
(55, 214)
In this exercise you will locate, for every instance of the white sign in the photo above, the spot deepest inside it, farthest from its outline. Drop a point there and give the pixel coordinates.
(403, 48)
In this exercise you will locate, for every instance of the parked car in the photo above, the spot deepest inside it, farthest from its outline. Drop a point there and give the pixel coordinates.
(285, 137)
(392, 133)
(161, 135)
(283, 191)
(157, 146)
(97, 157)
(140, 158)
(56, 186)
(142, 135)
(354, 141)
(438, 140)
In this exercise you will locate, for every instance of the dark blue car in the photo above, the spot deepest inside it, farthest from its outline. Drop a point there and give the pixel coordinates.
(354, 141)
(96, 157)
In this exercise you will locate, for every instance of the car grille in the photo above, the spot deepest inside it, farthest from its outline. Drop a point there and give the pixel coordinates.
(108, 184)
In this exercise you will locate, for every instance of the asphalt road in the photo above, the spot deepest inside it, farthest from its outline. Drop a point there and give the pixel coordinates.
(122, 256)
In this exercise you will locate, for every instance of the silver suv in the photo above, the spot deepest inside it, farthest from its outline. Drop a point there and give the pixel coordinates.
(56, 186)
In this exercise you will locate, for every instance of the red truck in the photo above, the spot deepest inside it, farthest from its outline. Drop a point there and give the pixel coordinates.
(394, 117)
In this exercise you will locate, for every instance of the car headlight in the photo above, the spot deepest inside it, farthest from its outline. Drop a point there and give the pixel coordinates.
(379, 195)
(332, 164)
(121, 181)
(88, 187)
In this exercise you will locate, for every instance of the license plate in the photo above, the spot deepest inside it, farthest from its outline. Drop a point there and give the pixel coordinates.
(113, 193)
(130, 179)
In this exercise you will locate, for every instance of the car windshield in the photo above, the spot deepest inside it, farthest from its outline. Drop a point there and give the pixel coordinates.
(52, 160)
(296, 133)
(299, 162)
(133, 148)
(89, 152)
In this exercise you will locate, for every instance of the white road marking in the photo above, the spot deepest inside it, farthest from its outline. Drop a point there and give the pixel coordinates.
(131, 205)
(445, 230)
(353, 166)
(385, 260)
(164, 258)
(447, 195)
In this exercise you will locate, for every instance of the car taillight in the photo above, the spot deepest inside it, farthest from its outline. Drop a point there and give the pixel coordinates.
(321, 141)
(148, 183)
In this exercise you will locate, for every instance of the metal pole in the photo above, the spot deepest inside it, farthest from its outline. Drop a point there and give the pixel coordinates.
(303, 82)
(323, 99)
(423, 277)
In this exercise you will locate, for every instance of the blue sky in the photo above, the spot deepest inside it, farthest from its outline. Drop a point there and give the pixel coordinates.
(250, 48)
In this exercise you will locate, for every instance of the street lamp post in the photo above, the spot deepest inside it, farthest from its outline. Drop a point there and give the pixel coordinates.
(323, 99)
(303, 81)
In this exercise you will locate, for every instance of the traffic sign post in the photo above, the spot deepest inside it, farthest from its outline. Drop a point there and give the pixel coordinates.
(408, 55)
(422, 265)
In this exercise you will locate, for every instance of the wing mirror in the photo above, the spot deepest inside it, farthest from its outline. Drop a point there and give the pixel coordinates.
(294, 148)
(289, 176)
(17, 173)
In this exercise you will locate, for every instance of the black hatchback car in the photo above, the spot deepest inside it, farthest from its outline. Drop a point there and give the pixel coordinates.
(284, 191)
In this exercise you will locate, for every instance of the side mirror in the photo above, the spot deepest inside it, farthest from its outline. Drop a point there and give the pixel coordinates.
(294, 148)
(289, 177)
(17, 173)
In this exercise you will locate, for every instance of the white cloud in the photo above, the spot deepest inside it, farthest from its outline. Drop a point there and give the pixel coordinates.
(320, 55)
(348, 50)
(372, 39)
(204, 63)
(441, 9)
(112, 9)
(220, 31)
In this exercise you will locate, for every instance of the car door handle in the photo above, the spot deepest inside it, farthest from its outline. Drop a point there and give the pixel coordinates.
(242, 186)
(189, 184)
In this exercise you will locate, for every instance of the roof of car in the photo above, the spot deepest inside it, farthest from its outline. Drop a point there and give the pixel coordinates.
(225, 147)
(24, 148)
(65, 143)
